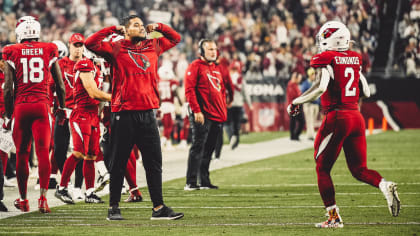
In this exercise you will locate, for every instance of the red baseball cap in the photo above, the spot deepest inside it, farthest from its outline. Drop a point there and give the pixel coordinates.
(77, 38)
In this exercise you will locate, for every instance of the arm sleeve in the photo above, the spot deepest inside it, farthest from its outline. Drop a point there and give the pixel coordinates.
(365, 85)
(96, 44)
(170, 38)
(190, 87)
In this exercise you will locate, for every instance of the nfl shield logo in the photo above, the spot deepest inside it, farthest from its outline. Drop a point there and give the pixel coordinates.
(266, 117)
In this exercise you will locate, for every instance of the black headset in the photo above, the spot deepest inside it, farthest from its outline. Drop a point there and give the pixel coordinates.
(200, 46)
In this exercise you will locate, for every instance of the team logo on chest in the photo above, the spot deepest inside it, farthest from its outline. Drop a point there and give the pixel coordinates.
(215, 82)
(140, 60)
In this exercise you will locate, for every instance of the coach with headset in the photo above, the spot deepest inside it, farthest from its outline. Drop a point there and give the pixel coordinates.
(205, 90)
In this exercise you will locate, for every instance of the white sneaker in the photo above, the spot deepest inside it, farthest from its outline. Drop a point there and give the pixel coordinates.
(389, 189)
(334, 220)
(77, 194)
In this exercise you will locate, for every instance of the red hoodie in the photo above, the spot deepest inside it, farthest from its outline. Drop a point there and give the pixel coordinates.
(134, 82)
(205, 89)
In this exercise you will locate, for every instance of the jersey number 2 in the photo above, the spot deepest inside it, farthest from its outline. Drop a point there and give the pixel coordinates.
(349, 72)
(34, 67)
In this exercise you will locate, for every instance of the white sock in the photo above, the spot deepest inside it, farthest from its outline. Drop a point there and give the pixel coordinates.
(331, 207)
(101, 168)
(53, 176)
(89, 191)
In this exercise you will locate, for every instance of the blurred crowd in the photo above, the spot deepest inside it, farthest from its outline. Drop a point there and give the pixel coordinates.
(270, 38)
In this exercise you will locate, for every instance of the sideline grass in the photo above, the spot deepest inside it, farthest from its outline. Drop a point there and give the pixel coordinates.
(276, 196)
(255, 137)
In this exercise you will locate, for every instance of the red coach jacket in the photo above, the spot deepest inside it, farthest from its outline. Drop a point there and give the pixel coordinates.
(205, 89)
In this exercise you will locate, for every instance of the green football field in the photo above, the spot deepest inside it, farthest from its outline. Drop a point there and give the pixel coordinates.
(275, 196)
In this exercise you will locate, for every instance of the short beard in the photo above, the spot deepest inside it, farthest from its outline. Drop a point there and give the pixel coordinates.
(137, 39)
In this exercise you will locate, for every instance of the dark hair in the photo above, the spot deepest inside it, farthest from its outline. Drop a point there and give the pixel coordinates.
(201, 45)
(126, 20)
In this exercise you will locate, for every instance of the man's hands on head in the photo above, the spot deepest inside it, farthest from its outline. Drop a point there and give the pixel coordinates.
(151, 27)
(199, 118)
(294, 110)
(120, 29)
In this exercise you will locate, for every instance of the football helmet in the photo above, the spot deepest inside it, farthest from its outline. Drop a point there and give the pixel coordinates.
(27, 27)
(62, 48)
(333, 36)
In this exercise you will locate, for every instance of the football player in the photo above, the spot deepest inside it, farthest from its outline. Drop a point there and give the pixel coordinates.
(167, 92)
(338, 74)
(84, 123)
(27, 97)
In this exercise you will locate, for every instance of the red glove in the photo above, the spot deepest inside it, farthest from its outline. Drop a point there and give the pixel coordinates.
(60, 115)
(294, 110)
(7, 124)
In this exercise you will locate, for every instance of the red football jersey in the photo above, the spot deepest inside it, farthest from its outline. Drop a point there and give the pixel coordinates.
(343, 90)
(205, 90)
(67, 66)
(32, 62)
(134, 82)
(167, 90)
(82, 99)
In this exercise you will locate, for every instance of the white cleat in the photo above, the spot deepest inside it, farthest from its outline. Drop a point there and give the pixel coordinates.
(389, 189)
(334, 220)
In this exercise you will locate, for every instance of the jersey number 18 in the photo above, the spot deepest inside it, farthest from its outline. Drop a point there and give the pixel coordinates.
(35, 65)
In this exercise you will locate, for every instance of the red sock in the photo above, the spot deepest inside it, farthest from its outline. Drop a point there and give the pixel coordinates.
(4, 158)
(68, 169)
(89, 173)
(22, 172)
(130, 172)
(44, 167)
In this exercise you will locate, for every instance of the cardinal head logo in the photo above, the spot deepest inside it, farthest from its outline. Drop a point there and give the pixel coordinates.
(140, 60)
(215, 82)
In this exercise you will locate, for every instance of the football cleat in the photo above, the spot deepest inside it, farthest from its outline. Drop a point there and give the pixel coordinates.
(22, 205)
(334, 220)
(389, 189)
(135, 196)
(114, 213)
(103, 182)
(63, 195)
(166, 213)
(93, 198)
(43, 205)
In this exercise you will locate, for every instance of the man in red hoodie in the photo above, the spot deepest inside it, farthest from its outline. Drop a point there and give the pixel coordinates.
(134, 96)
(205, 91)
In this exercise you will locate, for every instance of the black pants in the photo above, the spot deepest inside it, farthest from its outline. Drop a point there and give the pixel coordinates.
(296, 126)
(140, 128)
(203, 143)
(234, 119)
(61, 142)
(219, 144)
(61, 145)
